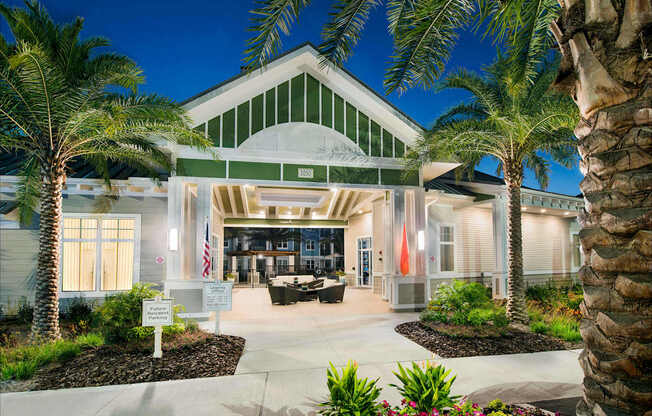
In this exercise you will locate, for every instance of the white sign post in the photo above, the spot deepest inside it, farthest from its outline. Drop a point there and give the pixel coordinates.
(157, 312)
(217, 297)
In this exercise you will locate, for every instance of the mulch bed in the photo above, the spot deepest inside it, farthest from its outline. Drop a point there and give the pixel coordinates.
(210, 356)
(511, 341)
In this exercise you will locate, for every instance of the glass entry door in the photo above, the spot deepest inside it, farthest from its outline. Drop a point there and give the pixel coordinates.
(364, 262)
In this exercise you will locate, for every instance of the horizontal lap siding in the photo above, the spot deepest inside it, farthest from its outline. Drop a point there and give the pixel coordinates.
(17, 261)
(546, 244)
(475, 251)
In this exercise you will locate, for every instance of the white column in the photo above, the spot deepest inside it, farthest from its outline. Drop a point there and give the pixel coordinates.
(499, 278)
(291, 263)
(234, 265)
(420, 228)
(175, 229)
(204, 212)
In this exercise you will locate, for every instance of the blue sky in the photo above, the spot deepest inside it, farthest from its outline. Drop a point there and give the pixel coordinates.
(187, 46)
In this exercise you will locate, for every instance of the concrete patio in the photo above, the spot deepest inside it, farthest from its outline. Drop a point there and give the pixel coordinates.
(283, 369)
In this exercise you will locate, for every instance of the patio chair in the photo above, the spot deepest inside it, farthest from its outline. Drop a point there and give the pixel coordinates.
(282, 295)
(315, 284)
(332, 294)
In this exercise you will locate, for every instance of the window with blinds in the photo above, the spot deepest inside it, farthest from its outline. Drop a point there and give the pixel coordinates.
(98, 253)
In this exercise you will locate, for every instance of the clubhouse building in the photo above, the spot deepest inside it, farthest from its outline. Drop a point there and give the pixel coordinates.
(296, 146)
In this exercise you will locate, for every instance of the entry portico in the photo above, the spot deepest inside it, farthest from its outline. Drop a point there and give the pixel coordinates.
(300, 146)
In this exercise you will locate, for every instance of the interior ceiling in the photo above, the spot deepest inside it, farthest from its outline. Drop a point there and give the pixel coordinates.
(250, 201)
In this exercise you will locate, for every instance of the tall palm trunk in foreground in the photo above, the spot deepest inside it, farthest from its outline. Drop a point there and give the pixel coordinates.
(516, 307)
(607, 69)
(46, 301)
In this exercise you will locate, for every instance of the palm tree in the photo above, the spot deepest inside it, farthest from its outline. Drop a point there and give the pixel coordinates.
(513, 124)
(606, 68)
(59, 105)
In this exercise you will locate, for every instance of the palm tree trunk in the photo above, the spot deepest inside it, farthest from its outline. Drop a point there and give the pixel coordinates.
(607, 68)
(516, 307)
(45, 325)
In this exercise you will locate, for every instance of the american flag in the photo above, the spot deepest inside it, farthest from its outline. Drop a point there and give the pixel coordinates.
(206, 269)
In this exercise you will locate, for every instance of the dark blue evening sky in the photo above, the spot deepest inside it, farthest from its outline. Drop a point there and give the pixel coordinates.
(187, 46)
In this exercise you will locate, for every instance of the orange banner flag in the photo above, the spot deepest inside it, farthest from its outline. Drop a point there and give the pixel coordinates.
(405, 257)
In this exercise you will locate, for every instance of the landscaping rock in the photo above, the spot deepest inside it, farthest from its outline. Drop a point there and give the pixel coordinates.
(511, 341)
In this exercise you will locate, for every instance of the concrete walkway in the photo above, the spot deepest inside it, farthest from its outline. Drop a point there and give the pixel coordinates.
(283, 370)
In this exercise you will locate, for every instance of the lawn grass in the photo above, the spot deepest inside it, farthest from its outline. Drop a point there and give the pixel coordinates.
(558, 325)
(21, 362)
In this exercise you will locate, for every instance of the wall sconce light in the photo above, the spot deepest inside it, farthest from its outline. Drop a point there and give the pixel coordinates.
(421, 240)
(173, 239)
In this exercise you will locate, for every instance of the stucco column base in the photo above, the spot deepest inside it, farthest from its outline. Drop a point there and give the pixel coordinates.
(406, 293)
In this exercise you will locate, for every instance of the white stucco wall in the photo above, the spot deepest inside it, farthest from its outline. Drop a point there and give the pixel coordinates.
(359, 226)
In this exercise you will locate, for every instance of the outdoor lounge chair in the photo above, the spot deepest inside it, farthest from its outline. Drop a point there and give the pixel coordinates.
(282, 295)
(332, 294)
(315, 284)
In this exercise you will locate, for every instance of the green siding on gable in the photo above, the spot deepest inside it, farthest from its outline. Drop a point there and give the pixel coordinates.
(214, 130)
(339, 114)
(351, 122)
(228, 128)
(201, 129)
(283, 96)
(348, 174)
(270, 107)
(298, 99)
(291, 173)
(397, 177)
(201, 168)
(363, 133)
(256, 114)
(243, 122)
(375, 139)
(399, 148)
(388, 144)
(312, 99)
(254, 170)
(326, 106)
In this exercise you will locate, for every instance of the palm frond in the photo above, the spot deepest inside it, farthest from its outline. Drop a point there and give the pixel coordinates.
(422, 47)
(342, 32)
(268, 18)
(399, 13)
(28, 190)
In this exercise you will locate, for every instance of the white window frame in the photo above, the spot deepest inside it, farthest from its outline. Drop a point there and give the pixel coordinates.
(448, 243)
(312, 243)
(314, 264)
(576, 267)
(282, 245)
(98, 256)
(226, 243)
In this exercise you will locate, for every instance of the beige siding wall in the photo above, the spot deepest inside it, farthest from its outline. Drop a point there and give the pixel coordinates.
(18, 248)
(359, 226)
(546, 243)
(474, 241)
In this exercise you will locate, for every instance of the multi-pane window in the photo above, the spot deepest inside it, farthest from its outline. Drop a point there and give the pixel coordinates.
(98, 253)
(282, 245)
(447, 248)
(310, 264)
(310, 245)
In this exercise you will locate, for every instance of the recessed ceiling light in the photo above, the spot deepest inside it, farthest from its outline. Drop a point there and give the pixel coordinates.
(360, 212)
(524, 209)
(543, 210)
(566, 213)
(333, 189)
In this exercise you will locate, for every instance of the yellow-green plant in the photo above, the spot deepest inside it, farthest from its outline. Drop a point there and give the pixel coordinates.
(350, 395)
(429, 388)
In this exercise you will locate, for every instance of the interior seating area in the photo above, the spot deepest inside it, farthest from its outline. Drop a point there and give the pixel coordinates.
(289, 289)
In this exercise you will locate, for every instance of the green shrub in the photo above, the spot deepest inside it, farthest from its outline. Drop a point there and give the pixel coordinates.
(499, 318)
(565, 328)
(496, 404)
(479, 317)
(349, 395)
(428, 315)
(539, 327)
(429, 389)
(459, 318)
(121, 315)
(460, 295)
(90, 340)
(78, 311)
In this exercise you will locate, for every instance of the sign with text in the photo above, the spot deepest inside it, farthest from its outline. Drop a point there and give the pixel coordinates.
(217, 296)
(306, 173)
(157, 312)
